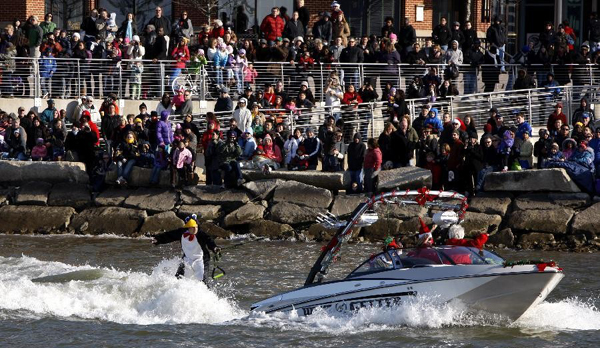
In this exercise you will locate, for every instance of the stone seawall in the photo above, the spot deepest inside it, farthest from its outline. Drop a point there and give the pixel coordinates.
(559, 218)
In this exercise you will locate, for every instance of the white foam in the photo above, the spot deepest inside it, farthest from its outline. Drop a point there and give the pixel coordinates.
(571, 314)
(420, 312)
(121, 297)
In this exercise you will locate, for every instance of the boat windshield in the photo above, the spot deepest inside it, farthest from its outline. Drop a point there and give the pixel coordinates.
(426, 257)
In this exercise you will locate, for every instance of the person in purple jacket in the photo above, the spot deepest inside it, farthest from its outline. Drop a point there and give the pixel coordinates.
(164, 132)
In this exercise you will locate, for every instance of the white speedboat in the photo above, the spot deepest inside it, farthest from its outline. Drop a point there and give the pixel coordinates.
(480, 279)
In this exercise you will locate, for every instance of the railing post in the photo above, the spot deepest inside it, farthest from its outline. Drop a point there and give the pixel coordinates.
(568, 101)
(322, 85)
(589, 67)
(361, 75)
(162, 78)
(372, 119)
(452, 107)
(79, 79)
(399, 79)
(529, 107)
(36, 78)
(121, 93)
(282, 76)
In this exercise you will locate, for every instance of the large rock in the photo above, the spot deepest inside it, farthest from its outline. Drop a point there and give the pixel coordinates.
(20, 172)
(289, 213)
(480, 223)
(554, 179)
(245, 214)
(215, 231)
(319, 233)
(587, 220)
(503, 237)
(34, 219)
(152, 200)
(34, 193)
(330, 181)
(161, 222)
(490, 205)
(402, 212)
(110, 220)
(404, 178)
(271, 229)
(112, 197)
(302, 194)
(70, 195)
(261, 189)
(228, 199)
(140, 177)
(411, 226)
(344, 205)
(535, 240)
(547, 201)
(204, 212)
(381, 229)
(550, 221)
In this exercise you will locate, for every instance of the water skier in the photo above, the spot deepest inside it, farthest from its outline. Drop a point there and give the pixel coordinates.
(195, 245)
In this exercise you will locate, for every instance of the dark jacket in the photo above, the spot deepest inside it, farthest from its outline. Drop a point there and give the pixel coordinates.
(161, 22)
(441, 35)
(323, 30)
(407, 36)
(356, 155)
(293, 29)
(496, 35)
(205, 241)
(352, 55)
(109, 124)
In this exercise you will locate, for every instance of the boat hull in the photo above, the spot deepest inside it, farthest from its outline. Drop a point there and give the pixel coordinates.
(501, 291)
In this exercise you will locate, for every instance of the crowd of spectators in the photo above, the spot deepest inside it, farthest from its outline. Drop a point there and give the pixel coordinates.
(280, 38)
(258, 136)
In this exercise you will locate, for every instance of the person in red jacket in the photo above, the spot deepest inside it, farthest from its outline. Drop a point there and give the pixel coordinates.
(217, 31)
(87, 117)
(456, 236)
(181, 54)
(272, 26)
(351, 97)
(372, 165)
(556, 115)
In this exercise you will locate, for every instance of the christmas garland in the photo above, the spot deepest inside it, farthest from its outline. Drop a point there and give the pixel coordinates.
(540, 263)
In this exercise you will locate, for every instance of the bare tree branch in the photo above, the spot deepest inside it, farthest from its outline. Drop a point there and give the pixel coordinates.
(206, 7)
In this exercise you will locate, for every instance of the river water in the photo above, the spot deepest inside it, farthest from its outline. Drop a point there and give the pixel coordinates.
(124, 294)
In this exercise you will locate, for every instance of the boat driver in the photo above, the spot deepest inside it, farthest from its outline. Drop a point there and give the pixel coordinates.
(392, 249)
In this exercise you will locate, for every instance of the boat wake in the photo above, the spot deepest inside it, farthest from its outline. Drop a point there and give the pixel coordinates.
(571, 314)
(32, 287)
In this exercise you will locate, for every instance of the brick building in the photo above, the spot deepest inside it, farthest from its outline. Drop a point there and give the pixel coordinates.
(523, 18)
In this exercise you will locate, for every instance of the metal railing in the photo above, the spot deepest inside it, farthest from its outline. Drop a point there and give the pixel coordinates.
(98, 77)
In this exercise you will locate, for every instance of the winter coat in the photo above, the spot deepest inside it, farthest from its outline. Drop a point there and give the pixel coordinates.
(272, 27)
(373, 159)
(47, 67)
(164, 133)
(243, 116)
(293, 29)
(181, 56)
(496, 35)
(228, 152)
(441, 35)
(341, 29)
(323, 30)
(356, 155)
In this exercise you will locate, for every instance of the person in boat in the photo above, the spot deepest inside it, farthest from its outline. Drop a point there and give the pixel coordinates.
(424, 243)
(456, 236)
(392, 249)
(195, 245)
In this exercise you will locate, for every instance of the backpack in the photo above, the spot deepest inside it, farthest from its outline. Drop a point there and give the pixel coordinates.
(451, 72)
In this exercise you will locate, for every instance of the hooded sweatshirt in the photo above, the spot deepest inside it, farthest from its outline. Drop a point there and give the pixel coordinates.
(356, 154)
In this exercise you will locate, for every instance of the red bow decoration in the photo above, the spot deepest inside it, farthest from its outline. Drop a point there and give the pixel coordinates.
(189, 236)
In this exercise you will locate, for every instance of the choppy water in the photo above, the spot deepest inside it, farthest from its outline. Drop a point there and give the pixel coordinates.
(124, 294)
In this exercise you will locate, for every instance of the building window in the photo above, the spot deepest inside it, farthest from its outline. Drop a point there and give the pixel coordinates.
(67, 14)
